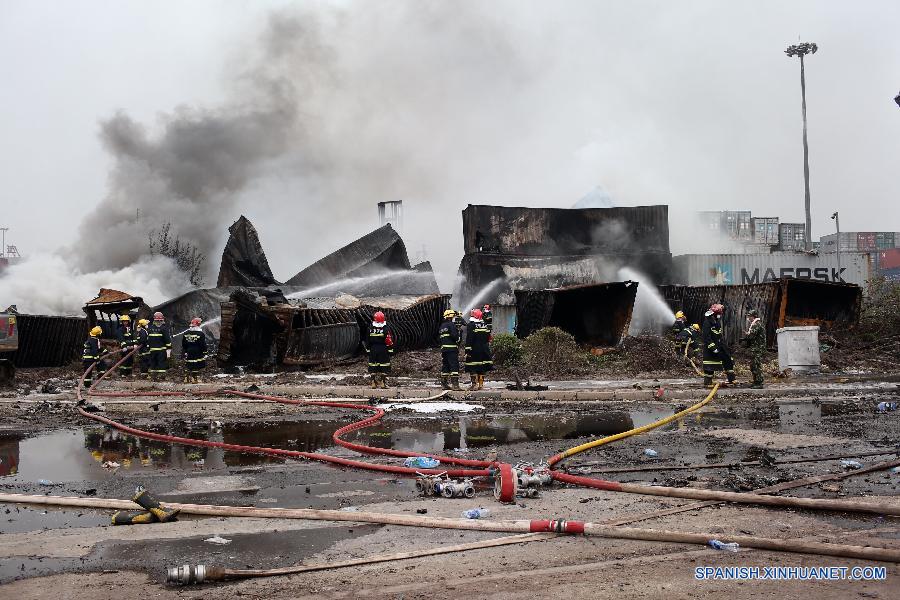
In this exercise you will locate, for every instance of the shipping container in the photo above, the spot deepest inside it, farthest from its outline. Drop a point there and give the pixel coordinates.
(733, 224)
(736, 269)
(889, 259)
(504, 318)
(765, 230)
(865, 241)
(790, 236)
(847, 244)
(884, 239)
(892, 274)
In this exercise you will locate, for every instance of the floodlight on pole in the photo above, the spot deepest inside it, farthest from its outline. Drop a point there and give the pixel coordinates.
(802, 50)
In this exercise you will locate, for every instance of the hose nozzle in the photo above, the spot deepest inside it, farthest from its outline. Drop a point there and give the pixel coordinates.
(186, 574)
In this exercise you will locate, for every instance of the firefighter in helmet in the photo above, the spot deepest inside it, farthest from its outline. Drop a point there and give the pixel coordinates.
(143, 343)
(160, 342)
(380, 347)
(478, 350)
(92, 352)
(678, 327)
(448, 337)
(125, 337)
(716, 356)
(193, 349)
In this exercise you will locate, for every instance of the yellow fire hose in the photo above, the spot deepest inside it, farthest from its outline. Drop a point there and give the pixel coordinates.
(612, 438)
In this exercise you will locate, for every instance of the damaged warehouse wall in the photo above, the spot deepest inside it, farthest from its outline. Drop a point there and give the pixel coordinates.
(48, 341)
(781, 303)
(512, 248)
(597, 314)
(374, 265)
(262, 330)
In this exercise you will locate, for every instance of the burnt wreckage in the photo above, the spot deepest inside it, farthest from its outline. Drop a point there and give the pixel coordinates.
(562, 267)
(320, 314)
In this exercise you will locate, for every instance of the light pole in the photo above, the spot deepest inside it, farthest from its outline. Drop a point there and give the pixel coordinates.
(837, 225)
(3, 231)
(802, 50)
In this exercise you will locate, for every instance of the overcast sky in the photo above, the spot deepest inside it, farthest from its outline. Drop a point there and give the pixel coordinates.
(690, 104)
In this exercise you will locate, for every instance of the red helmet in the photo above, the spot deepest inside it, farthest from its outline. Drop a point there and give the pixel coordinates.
(378, 317)
(195, 322)
(158, 316)
(476, 313)
(487, 307)
(717, 309)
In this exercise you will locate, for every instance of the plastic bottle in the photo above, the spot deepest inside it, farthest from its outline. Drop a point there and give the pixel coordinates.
(476, 513)
(886, 407)
(851, 464)
(731, 547)
(421, 462)
(650, 452)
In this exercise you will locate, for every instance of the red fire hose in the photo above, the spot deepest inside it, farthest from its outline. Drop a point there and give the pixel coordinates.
(379, 413)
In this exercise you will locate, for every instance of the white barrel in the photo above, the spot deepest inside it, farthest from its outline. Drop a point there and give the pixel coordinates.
(798, 349)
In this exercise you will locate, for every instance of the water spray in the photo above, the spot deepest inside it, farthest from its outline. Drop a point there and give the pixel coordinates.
(202, 325)
(481, 294)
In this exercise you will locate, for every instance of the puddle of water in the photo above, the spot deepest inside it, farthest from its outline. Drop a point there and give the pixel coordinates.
(79, 454)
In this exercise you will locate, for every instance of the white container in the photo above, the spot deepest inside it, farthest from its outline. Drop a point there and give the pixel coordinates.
(737, 269)
(798, 349)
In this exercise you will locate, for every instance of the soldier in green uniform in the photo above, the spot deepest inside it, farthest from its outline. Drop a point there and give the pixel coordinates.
(756, 341)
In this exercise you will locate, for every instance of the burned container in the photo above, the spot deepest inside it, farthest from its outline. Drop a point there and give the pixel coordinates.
(48, 341)
(105, 309)
(781, 303)
(597, 314)
(517, 248)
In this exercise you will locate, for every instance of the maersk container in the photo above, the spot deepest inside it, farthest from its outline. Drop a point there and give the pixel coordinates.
(889, 259)
(736, 269)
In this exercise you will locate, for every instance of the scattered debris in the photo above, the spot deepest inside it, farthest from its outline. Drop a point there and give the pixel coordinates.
(218, 540)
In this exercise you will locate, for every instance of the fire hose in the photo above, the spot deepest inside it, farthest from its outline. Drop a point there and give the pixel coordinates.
(505, 477)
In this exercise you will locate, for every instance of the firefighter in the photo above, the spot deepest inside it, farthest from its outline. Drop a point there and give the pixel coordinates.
(678, 327)
(448, 336)
(756, 341)
(127, 342)
(193, 348)
(488, 317)
(715, 354)
(91, 353)
(688, 340)
(478, 350)
(160, 342)
(143, 343)
(381, 347)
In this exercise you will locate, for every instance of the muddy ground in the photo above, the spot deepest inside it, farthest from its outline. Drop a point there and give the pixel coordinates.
(75, 553)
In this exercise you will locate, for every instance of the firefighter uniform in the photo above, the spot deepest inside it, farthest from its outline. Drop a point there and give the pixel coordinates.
(143, 343)
(756, 341)
(715, 354)
(678, 328)
(127, 341)
(488, 317)
(478, 352)
(91, 353)
(193, 348)
(380, 345)
(160, 342)
(448, 336)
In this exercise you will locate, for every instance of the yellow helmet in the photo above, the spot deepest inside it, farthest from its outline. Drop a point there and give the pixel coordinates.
(124, 318)
(679, 315)
(96, 330)
(449, 313)
(143, 322)
(695, 327)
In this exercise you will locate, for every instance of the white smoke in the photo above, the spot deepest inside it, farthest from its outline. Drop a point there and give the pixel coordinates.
(49, 284)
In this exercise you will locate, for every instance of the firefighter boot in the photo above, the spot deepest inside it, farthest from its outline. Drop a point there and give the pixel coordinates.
(707, 381)
(454, 383)
(125, 517)
(384, 384)
(474, 385)
(731, 377)
(480, 382)
(143, 497)
(374, 381)
(445, 382)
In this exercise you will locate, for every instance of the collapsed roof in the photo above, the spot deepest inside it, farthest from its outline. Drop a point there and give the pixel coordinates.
(374, 265)
(244, 261)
